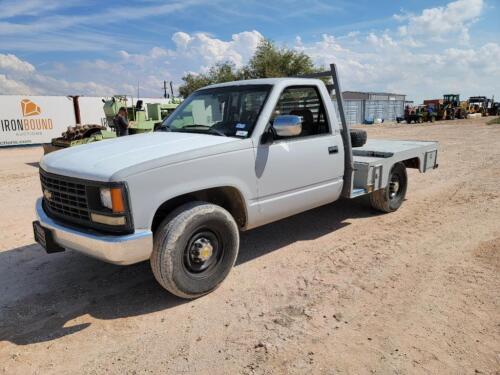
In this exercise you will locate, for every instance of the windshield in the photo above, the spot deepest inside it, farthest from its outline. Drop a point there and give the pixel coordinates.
(227, 111)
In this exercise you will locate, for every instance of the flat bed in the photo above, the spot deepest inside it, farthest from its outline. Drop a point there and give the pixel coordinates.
(373, 161)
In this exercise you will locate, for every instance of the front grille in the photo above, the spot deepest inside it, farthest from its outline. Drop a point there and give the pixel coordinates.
(65, 198)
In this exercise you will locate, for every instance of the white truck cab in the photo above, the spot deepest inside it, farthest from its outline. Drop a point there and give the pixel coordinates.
(231, 157)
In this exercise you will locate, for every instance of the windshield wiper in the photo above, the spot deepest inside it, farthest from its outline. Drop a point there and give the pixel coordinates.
(205, 127)
(164, 128)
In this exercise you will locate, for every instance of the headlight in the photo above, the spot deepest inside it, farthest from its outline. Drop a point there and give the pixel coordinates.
(106, 198)
(108, 220)
(112, 198)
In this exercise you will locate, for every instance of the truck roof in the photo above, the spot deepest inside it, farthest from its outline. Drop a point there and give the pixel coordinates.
(267, 81)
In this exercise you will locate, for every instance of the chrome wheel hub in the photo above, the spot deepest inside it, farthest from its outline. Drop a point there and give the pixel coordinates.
(201, 250)
(393, 188)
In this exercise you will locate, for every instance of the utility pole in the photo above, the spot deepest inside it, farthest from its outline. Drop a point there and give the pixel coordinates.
(165, 95)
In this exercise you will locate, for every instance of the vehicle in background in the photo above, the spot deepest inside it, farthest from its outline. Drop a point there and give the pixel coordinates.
(78, 135)
(453, 107)
(437, 107)
(495, 109)
(483, 105)
(448, 108)
(418, 114)
(140, 121)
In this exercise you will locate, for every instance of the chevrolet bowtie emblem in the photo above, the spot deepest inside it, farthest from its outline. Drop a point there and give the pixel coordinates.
(47, 194)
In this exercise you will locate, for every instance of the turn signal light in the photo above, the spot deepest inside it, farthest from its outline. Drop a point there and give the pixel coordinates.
(117, 200)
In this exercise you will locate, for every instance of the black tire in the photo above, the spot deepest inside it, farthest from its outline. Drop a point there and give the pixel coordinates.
(392, 197)
(179, 240)
(358, 137)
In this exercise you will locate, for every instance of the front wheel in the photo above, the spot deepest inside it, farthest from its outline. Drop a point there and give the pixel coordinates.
(195, 247)
(392, 197)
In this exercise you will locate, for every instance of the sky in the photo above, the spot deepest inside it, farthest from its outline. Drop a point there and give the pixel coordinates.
(423, 48)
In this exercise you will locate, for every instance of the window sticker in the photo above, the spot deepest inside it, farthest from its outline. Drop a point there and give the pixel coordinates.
(241, 133)
(239, 125)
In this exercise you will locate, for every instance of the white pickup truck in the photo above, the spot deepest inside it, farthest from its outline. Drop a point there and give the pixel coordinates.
(231, 157)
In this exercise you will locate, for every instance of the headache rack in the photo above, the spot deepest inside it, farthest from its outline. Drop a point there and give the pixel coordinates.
(367, 168)
(347, 190)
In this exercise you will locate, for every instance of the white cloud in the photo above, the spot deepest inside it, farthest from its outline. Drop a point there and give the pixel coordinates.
(191, 53)
(210, 50)
(382, 41)
(195, 52)
(396, 65)
(381, 63)
(61, 22)
(422, 58)
(13, 8)
(12, 63)
(181, 39)
(443, 22)
(20, 77)
(9, 86)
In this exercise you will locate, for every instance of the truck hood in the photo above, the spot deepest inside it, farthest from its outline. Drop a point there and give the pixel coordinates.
(115, 159)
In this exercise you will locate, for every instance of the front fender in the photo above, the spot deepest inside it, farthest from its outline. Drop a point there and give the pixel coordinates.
(150, 189)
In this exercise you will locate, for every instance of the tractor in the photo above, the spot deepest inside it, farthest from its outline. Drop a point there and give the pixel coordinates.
(483, 105)
(437, 108)
(453, 107)
(139, 122)
(448, 108)
(495, 109)
(419, 114)
(78, 135)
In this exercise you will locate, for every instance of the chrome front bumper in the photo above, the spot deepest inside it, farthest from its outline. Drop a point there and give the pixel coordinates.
(123, 250)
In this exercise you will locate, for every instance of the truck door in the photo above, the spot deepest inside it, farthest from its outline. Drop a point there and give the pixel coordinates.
(298, 173)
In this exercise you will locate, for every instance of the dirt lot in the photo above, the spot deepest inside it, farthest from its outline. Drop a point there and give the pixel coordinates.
(336, 290)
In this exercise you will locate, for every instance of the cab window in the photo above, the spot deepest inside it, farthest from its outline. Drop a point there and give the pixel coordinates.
(304, 101)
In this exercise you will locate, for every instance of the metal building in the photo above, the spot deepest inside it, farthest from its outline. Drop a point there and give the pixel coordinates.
(365, 106)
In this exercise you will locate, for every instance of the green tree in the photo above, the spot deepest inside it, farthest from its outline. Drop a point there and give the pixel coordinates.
(268, 61)
(220, 72)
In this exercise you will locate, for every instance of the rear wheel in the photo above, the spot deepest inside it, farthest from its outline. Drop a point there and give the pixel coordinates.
(392, 197)
(194, 249)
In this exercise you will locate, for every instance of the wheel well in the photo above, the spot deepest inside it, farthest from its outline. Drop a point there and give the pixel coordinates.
(227, 197)
(412, 163)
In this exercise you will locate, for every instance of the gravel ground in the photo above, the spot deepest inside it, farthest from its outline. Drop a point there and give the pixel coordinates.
(336, 290)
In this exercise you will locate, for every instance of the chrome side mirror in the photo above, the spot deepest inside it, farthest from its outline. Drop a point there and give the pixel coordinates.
(287, 125)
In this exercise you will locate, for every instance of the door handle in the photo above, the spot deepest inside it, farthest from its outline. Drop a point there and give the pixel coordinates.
(333, 150)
